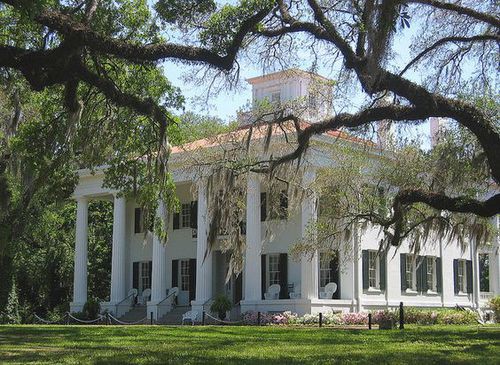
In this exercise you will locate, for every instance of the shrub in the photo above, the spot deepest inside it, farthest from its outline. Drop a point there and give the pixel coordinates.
(355, 318)
(12, 310)
(495, 307)
(221, 305)
(420, 316)
(454, 316)
(91, 309)
(385, 316)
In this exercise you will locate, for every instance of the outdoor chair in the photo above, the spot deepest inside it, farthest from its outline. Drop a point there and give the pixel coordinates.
(146, 294)
(133, 293)
(273, 292)
(295, 294)
(190, 316)
(330, 288)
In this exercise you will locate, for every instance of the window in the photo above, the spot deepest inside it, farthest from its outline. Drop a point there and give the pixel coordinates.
(410, 274)
(186, 215)
(276, 97)
(325, 271)
(373, 263)
(138, 220)
(462, 279)
(431, 274)
(312, 101)
(145, 279)
(184, 275)
(484, 272)
(274, 269)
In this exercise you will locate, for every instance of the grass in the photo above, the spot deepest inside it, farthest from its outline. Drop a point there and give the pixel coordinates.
(247, 345)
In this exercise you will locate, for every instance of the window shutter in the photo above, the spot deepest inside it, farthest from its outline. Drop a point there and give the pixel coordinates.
(238, 288)
(455, 276)
(283, 214)
(243, 227)
(283, 268)
(263, 207)
(150, 273)
(137, 220)
(365, 263)
(192, 279)
(402, 272)
(423, 274)
(194, 214)
(382, 267)
(135, 275)
(469, 275)
(439, 275)
(175, 273)
(263, 274)
(177, 219)
(334, 267)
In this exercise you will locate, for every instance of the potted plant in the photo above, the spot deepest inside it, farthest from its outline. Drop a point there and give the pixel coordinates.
(386, 319)
(220, 306)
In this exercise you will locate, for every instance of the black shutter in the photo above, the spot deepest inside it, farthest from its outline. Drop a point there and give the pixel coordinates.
(150, 274)
(469, 275)
(423, 274)
(263, 207)
(402, 270)
(263, 274)
(439, 275)
(238, 288)
(335, 269)
(192, 279)
(419, 264)
(455, 276)
(194, 214)
(175, 273)
(135, 275)
(177, 219)
(283, 268)
(243, 227)
(365, 259)
(283, 214)
(137, 220)
(382, 269)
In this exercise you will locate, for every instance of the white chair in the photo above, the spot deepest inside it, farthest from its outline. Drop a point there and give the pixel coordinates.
(295, 294)
(189, 316)
(273, 292)
(146, 294)
(330, 288)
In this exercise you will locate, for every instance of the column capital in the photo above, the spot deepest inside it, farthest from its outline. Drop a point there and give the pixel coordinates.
(82, 199)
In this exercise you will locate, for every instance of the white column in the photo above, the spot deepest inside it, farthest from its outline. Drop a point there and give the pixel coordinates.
(495, 262)
(203, 259)
(253, 240)
(475, 273)
(159, 269)
(81, 254)
(118, 251)
(309, 266)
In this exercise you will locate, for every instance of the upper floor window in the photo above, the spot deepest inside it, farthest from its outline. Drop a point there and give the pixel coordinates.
(276, 97)
(186, 215)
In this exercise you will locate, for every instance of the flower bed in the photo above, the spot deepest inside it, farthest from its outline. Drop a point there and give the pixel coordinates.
(386, 318)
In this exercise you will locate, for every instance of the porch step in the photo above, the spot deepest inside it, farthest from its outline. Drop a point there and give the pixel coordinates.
(135, 314)
(174, 316)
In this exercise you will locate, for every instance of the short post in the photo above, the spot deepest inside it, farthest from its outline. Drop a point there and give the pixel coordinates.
(151, 317)
(258, 318)
(369, 321)
(203, 318)
(401, 316)
(320, 319)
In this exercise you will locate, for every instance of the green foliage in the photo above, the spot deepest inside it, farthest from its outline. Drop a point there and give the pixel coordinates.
(184, 13)
(91, 308)
(494, 304)
(439, 316)
(221, 305)
(12, 311)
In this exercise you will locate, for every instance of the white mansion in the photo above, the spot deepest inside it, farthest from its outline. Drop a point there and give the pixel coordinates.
(445, 275)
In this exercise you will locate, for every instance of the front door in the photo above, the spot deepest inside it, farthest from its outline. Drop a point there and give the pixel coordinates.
(186, 274)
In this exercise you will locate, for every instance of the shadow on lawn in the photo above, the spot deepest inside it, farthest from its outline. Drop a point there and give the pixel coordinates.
(246, 345)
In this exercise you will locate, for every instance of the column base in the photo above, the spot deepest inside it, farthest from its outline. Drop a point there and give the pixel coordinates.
(76, 307)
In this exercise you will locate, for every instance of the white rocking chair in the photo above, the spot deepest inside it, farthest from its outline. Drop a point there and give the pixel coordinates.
(146, 295)
(273, 292)
(189, 316)
(330, 289)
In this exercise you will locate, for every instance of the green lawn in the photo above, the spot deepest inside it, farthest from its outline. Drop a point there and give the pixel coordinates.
(247, 345)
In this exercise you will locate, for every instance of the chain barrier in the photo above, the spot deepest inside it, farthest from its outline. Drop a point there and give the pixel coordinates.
(221, 321)
(127, 323)
(44, 321)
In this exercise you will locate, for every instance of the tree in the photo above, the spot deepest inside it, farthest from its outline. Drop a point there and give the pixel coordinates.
(75, 47)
